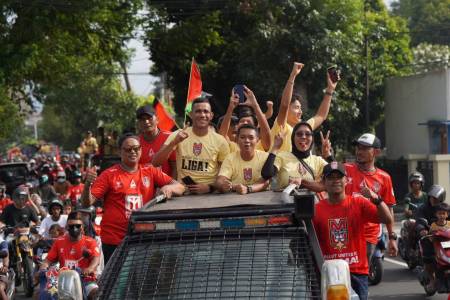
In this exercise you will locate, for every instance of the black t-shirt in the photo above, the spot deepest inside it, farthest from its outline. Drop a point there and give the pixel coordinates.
(13, 216)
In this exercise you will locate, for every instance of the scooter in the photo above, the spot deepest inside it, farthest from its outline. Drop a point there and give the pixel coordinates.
(441, 245)
(408, 247)
(376, 263)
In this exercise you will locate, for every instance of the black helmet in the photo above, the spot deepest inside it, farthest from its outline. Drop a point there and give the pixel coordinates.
(416, 176)
(53, 203)
(437, 192)
(76, 174)
(20, 193)
(89, 210)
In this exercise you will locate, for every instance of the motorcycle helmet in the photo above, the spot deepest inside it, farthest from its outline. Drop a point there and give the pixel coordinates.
(416, 176)
(437, 192)
(43, 179)
(91, 210)
(20, 194)
(76, 174)
(53, 203)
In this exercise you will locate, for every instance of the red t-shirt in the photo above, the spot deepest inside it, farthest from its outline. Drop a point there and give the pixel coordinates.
(378, 181)
(123, 192)
(338, 228)
(4, 202)
(150, 148)
(75, 192)
(70, 254)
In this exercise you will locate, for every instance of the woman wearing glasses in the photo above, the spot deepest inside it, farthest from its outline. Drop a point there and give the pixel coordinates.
(125, 187)
(298, 166)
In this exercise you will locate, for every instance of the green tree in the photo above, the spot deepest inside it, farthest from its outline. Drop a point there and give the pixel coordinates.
(256, 42)
(428, 20)
(428, 57)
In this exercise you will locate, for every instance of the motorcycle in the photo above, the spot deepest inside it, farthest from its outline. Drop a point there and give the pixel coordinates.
(408, 247)
(21, 257)
(11, 276)
(376, 262)
(441, 245)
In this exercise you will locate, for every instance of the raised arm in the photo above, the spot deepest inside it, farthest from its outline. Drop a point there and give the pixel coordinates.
(287, 94)
(262, 121)
(324, 108)
(225, 126)
(163, 154)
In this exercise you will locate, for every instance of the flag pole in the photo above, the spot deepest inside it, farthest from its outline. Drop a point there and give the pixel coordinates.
(189, 88)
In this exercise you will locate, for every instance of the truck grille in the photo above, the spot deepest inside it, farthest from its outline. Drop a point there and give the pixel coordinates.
(247, 263)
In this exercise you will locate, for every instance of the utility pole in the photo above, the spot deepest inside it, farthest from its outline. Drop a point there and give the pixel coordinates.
(366, 48)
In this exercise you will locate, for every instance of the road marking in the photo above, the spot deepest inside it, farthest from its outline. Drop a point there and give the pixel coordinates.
(393, 261)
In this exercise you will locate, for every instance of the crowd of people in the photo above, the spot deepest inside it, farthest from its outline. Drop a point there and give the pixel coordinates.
(243, 155)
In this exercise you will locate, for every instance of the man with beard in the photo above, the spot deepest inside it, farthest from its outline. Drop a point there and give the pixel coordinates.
(364, 178)
(241, 170)
(200, 150)
(152, 138)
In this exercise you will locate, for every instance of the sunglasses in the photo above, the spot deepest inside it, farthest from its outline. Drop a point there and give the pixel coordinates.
(135, 149)
(75, 226)
(303, 133)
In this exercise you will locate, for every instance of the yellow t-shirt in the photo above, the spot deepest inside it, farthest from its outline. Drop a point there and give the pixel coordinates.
(200, 156)
(290, 167)
(244, 172)
(436, 227)
(90, 145)
(287, 145)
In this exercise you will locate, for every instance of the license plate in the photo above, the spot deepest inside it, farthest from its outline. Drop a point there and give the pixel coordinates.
(445, 244)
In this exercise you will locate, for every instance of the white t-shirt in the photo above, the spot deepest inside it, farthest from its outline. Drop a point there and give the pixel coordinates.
(48, 222)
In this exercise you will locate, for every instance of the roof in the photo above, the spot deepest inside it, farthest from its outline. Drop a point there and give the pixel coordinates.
(217, 201)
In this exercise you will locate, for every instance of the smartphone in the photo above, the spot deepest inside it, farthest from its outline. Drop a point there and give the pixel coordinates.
(187, 180)
(334, 73)
(239, 89)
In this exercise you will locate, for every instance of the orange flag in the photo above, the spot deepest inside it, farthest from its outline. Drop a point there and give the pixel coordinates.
(195, 85)
(165, 120)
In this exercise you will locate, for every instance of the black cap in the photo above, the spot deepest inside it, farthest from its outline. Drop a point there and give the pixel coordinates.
(145, 110)
(368, 139)
(334, 166)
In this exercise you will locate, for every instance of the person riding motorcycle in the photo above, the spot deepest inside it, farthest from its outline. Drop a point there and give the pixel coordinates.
(427, 211)
(4, 199)
(55, 209)
(416, 196)
(19, 213)
(46, 190)
(4, 269)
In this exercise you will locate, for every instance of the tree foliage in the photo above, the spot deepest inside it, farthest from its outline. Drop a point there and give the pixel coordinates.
(45, 46)
(256, 42)
(428, 20)
(428, 57)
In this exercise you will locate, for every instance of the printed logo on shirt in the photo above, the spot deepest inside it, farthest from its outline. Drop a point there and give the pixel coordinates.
(248, 174)
(146, 181)
(151, 153)
(118, 184)
(376, 187)
(197, 148)
(132, 184)
(132, 202)
(70, 263)
(338, 229)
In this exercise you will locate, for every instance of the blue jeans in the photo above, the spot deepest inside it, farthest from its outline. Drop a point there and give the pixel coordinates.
(360, 285)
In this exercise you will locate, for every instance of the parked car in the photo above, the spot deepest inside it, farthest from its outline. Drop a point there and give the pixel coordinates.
(13, 175)
(219, 246)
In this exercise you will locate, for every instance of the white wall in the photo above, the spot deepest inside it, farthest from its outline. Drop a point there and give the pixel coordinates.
(412, 100)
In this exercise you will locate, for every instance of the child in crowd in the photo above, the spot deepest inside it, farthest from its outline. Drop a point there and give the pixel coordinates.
(441, 215)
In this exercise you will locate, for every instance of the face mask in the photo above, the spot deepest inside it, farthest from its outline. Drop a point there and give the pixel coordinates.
(74, 232)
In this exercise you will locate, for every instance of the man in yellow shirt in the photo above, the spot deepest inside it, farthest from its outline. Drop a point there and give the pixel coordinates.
(241, 170)
(200, 150)
(290, 111)
(90, 147)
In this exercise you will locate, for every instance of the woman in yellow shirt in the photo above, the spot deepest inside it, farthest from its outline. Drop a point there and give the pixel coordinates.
(298, 166)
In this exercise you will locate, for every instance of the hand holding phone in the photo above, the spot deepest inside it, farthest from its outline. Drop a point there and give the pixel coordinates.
(239, 90)
(187, 180)
(334, 73)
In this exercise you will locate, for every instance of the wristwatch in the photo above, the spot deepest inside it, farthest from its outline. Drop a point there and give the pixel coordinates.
(393, 236)
(377, 201)
(249, 189)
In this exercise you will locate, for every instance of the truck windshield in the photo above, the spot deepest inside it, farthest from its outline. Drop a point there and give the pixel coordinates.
(265, 263)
